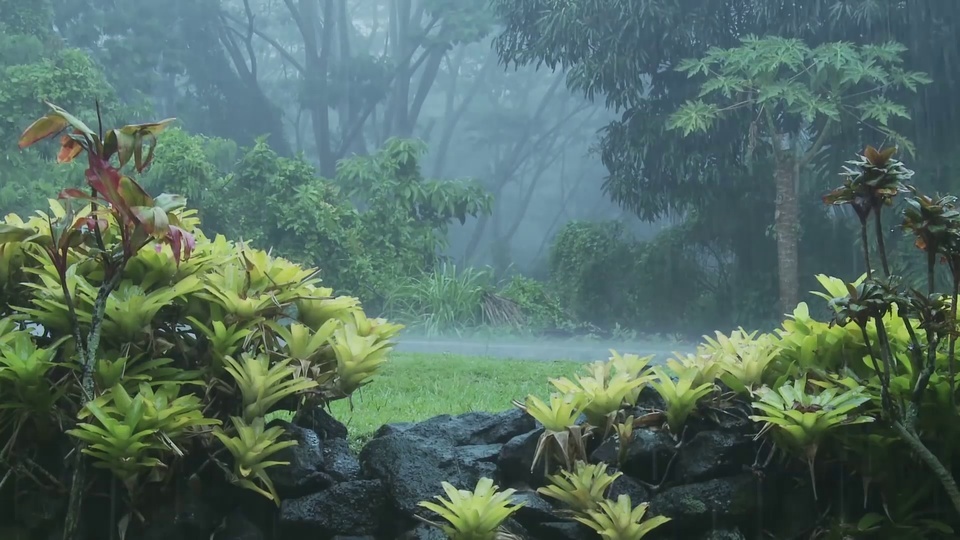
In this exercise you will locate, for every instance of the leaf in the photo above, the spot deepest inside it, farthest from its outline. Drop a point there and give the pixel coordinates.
(170, 201)
(47, 126)
(74, 193)
(693, 116)
(73, 121)
(152, 128)
(153, 219)
(69, 149)
(878, 158)
(133, 193)
(121, 143)
(12, 233)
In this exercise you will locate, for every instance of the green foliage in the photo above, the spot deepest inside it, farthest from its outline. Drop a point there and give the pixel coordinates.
(35, 68)
(604, 389)
(582, 489)
(784, 77)
(476, 515)
(541, 308)
(621, 520)
(591, 264)
(442, 301)
(377, 226)
(604, 277)
(680, 396)
(129, 332)
(873, 386)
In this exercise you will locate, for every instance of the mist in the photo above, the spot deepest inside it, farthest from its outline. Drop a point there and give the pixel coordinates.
(285, 268)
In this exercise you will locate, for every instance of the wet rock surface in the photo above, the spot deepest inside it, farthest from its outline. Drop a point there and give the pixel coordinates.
(705, 481)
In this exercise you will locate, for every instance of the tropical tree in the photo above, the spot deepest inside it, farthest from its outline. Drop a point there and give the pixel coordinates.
(796, 96)
(625, 53)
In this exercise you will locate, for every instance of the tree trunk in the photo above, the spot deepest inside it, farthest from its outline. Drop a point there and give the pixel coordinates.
(787, 220)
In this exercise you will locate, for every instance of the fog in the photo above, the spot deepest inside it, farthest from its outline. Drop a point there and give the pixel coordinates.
(485, 169)
(275, 269)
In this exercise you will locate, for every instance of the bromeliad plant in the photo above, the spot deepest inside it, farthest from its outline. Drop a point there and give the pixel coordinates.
(128, 332)
(250, 448)
(604, 391)
(562, 438)
(582, 489)
(681, 396)
(927, 320)
(476, 515)
(621, 520)
(801, 421)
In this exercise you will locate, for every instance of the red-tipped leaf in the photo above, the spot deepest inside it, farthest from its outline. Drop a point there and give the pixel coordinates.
(47, 126)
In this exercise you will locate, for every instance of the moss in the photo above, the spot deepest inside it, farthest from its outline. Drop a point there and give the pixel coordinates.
(692, 506)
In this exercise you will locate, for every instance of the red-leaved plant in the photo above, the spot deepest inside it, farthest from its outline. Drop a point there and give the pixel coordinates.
(119, 208)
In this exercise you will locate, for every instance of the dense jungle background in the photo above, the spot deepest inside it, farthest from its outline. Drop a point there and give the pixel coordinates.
(540, 165)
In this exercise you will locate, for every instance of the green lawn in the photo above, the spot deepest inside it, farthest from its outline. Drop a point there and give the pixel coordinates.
(414, 387)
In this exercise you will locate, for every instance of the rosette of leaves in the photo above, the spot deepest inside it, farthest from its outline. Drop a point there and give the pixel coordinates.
(604, 391)
(223, 340)
(307, 348)
(472, 515)
(702, 367)
(250, 448)
(28, 390)
(562, 438)
(230, 288)
(681, 397)
(318, 306)
(621, 520)
(741, 357)
(263, 385)
(633, 365)
(801, 421)
(358, 356)
(581, 489)
(130, 371)
(807, 344)
(624, 438)
(133, 434)
(870, 182)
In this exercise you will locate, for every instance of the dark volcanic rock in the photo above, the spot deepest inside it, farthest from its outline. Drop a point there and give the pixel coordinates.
(516, 460)
(412, 462)
(535, 510)
(305, 472)
(713, 454)
(339, 461)
(358, 507)
(320, 422)
(237, 527)
(473, 428)
(562, 530)
(648, 454)
(724, 534)
(706, 505)
(188, 516)
(423, 532)
(624, 485)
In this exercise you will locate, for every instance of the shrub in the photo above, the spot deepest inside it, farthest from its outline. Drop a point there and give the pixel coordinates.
(592, 266)
(133, 342)
(874, 387)
(540, 307)
(451, 301)
(604, 277)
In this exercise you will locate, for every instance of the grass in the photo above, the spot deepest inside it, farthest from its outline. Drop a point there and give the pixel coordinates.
(413, 387)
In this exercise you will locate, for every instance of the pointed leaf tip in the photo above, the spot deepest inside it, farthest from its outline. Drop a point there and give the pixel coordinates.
(42, 128)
